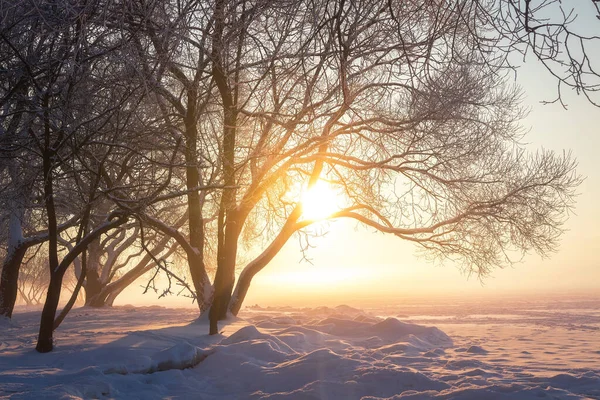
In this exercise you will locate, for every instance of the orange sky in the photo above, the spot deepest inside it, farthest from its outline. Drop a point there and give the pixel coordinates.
(357, 266)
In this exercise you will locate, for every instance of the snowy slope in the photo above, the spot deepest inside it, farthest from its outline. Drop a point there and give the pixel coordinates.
(322, 353)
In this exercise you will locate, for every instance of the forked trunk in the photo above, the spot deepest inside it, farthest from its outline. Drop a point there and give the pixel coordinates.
(75, 293)
(45, 338)
(93, 284)
(243, 284)
(106, 296)
(57, 272)
(195, 218)
(241, 289)
(228, 229)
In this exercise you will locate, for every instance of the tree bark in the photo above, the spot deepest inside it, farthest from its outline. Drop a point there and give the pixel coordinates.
(228, 227)
(93, 284)
(195, 218)
(243, 283)
(93, 289)
(45, 338)
(56, 277)
(53, 296)
(73, 299)
(9, 280)
(224, 280)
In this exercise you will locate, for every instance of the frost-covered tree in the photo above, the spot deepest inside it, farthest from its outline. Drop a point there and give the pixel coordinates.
(402, 107)
(116, 260)
(33, 278)
(25, 61)
(83, 127)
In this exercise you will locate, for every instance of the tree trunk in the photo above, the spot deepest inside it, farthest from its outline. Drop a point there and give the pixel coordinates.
(225, 276)
(9, 280)
(241, 289)
(110, 298)
(228, 229)
(56, 276)
(202, 286)
(93, 284)
(75, 293)
(45, 337)
(99, 294)
(93, 289)
(53, 296)
(109, 292)
(17, 247)
(195, 218)
(243, 283)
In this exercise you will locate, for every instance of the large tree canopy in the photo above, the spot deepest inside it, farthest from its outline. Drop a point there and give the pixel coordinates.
(201, 124)
(403, 107)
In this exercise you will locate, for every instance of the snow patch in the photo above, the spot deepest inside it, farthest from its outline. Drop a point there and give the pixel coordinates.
(324, 353)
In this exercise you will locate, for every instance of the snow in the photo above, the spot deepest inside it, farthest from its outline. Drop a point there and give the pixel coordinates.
(519, 350)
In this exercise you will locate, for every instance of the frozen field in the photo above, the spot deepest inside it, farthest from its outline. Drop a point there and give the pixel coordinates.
(458, 350)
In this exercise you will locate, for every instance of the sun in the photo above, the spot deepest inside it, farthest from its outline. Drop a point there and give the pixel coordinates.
(319, 202)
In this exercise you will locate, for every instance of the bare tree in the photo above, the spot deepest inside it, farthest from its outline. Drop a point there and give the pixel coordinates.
(117, 260)
(25, 61)
(82, 126)
(562, 36)
(403, 107)
(33, 278)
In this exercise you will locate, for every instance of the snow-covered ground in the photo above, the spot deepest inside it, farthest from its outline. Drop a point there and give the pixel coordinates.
(455, 350)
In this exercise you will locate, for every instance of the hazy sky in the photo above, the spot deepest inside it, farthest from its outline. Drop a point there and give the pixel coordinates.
(352, 265)
(355, 266)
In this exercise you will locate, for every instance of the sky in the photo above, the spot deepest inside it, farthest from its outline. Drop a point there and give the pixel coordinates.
(358, 266)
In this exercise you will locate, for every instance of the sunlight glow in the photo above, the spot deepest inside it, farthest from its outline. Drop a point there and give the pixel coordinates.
(316, 278)
(319, 202)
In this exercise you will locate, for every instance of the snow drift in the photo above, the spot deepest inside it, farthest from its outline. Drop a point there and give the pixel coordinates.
(324, 353)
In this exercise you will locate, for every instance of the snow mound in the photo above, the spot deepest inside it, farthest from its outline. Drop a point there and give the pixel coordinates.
(324, 359)
(388, 331)
(251, 333)
(397, 348)
(246, 333)
(344, 309)
(284, 320)
(378, 382)
(341, 327)
(389, 381)
(260, 351)
(393, 330)
(302, 339)
(273, 322)
(566, 381)
(318, 365)
(180, 356)
(492, 392)
(477, 350)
